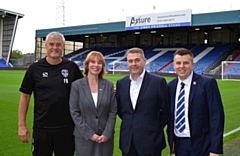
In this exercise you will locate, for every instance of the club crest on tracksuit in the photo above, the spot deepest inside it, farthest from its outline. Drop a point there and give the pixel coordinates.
(65, 74)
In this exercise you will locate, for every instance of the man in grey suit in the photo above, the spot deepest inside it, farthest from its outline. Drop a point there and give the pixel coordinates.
(142, 100)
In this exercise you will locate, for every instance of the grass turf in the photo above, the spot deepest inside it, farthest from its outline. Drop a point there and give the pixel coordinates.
(10, 143)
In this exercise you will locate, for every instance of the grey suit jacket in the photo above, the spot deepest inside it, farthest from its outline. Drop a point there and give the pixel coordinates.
(89, 119)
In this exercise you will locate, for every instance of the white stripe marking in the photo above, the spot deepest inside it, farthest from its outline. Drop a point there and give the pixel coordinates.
(231, 132)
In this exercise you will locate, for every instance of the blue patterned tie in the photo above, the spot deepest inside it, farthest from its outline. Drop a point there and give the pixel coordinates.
(180, 111)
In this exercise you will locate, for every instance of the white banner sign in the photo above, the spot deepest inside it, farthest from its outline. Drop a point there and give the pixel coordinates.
(159, 20)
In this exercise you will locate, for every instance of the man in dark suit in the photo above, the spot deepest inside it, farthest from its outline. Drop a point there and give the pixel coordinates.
(197, 116)
(143, 107)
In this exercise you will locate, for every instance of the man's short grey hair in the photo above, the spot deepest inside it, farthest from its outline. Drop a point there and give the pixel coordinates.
(136, 50)
(55, 34)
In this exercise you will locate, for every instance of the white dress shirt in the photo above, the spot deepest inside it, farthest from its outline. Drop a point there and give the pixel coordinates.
(135, 87)
(187, 82)
(95, 96)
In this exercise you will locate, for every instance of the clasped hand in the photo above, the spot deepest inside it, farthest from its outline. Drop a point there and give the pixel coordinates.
(99, 139)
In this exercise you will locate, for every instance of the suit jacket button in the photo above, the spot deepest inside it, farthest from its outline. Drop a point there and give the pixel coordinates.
(96, 117)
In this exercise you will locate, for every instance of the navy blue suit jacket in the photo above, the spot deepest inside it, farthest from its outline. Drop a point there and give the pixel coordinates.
(144, 124)
(206, 115)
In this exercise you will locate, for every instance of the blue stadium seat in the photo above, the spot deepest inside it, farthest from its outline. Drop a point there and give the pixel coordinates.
(3, 64)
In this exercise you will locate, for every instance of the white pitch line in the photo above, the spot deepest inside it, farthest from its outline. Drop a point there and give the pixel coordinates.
(231, 132)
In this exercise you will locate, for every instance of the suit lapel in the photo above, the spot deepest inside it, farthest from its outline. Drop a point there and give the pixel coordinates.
(173, 94)
(192, 89)
(126, 91)
(87, 91)
(143, 88)
(101, 84)
(127, 81)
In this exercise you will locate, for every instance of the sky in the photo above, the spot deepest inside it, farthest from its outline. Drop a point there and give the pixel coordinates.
(44, 14)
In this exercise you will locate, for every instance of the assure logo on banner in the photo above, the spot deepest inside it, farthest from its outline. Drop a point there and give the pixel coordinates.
(159, 20)
(139, 21)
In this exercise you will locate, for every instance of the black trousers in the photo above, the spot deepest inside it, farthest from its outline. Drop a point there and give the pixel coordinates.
(183, 147)
(133, 152)
(47, 143)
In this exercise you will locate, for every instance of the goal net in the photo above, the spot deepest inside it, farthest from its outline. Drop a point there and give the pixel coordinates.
(230, 70)
(118, 67)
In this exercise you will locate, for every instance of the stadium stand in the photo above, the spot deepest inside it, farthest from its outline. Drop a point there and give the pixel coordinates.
(159, 58)
(204, 56)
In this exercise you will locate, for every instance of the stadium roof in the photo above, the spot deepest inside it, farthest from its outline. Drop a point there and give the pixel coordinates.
(227, 19)
(8, 26)
(4, 13)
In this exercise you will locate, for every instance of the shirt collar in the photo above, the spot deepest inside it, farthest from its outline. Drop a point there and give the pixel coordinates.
(187, 80)
(141, 76)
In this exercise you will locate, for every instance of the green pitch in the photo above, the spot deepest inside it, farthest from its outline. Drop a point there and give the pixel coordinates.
(10, 144)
